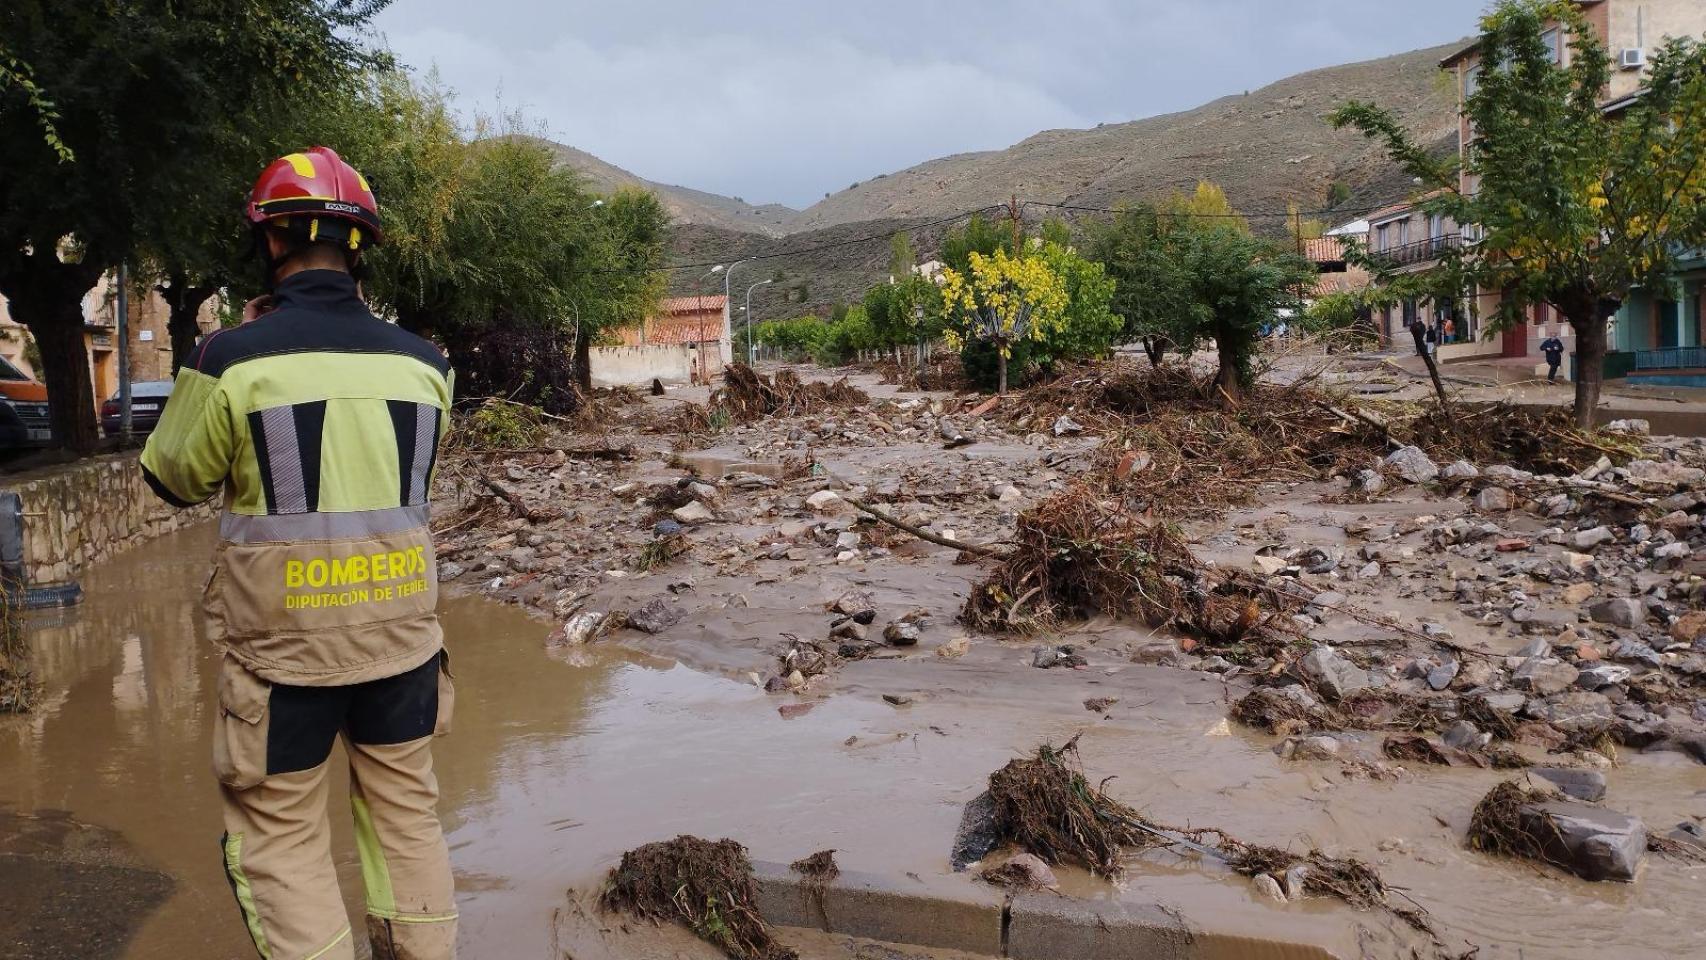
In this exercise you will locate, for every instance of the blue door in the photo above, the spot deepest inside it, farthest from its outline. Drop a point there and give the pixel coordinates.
(1670, 324)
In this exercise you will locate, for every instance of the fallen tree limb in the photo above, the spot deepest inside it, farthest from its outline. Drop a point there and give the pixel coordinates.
(533, 515)
(982, 550)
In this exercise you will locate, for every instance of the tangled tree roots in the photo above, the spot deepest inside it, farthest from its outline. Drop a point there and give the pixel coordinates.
(748, 395)
(1267, 709)
(706, 885)
(1077, 555)
(1541, 441)
(1497, 824)
(1045, 806)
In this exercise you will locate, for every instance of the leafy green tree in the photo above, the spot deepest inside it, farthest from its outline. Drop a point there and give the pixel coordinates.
(1207, 204)
(1003, 301)
(1151, 292)
(1236, 283)
(1574, 206)
(143, 92)
(1088, 328)
(977, 236)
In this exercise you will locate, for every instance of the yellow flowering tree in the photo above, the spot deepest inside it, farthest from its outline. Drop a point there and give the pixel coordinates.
(1002, 300)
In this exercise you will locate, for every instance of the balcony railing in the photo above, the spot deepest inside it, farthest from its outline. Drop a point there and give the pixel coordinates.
(1671, 358)
(1421, 251)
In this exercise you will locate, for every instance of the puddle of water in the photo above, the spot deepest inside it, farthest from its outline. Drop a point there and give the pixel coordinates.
(557, 764)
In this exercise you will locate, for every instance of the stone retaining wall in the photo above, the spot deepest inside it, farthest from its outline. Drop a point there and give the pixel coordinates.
(82, 513)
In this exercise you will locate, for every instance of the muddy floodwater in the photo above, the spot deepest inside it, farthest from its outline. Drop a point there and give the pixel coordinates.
(558, 762)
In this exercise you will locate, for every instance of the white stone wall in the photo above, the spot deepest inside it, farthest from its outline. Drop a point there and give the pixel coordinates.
(82, 513)
(637, 366)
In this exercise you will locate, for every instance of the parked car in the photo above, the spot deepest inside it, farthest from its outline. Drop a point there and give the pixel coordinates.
(24, 420)
(147, 401)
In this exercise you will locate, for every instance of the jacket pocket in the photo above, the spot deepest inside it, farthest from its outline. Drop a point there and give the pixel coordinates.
(240, 729)
(446, 695)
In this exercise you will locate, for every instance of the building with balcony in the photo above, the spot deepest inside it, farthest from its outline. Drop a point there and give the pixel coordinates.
(1630, 30)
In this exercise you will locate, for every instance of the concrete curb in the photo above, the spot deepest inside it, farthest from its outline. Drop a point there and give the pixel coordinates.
(979, 919)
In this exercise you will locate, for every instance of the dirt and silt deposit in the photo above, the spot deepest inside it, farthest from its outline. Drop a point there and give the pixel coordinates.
(705, 637)
(1403, 609)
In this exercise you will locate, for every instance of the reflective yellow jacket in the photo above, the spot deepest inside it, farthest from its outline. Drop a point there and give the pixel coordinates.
(321, 424)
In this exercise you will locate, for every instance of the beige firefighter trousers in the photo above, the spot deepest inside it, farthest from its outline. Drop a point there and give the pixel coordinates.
(272, 751)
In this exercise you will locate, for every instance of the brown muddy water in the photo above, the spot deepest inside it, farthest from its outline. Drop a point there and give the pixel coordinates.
(560, 762)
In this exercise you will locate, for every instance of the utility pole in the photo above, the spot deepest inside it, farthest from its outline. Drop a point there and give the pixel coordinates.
(751, 348)
(123, 354)
(1013, 214)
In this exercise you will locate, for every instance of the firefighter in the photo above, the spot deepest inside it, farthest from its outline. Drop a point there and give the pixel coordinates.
(320, 424)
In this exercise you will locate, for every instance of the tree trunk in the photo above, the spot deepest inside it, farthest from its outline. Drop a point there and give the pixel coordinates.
(1226, 381)
(184, 301)
(1156, 348)
(1001, 370)
(1433, 367)
(46, 295)
(1590, 362)
(583, 358)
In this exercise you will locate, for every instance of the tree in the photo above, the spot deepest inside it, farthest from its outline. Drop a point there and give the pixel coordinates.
(1002, 300)
(902, 257)
(1575, 206)
(1236, 283)
(143, 91)
(977, 236)
(1088, 327)
(1208, 204)
(1151, 295)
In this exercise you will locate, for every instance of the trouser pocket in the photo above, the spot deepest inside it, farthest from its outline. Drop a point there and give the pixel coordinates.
(240, 729)
(446, 695)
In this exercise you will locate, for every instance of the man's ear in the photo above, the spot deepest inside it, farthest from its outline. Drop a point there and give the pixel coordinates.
(277, 245)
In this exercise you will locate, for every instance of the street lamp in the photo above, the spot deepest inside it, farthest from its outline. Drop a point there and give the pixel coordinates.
(699, 286)
(751, 350)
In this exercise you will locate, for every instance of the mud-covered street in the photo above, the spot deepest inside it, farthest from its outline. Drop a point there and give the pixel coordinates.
(658, 632)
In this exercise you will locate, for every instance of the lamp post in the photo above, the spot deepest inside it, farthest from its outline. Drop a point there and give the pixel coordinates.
(751, 349)
(728, 301)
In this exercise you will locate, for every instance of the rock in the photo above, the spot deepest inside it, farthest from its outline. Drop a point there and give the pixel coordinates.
(1677, 521)
(1504, 701)
(1412, 465)
(1296, 881)
(1310, 748)
(1621, 612)
(1006, 493)
(1638, 652)
(1578, 710)
(1544, 676)
(666, 528)
(1268, 566)
(1333, 675)
(1665, 475)
(1134, 461)
(1597, 676)
(1269, 887)
(656, 616)
(901, 634)
(1588, 539)
(848, 630)
(896, 699)
(847, 540)
(1576, 593)
(1045, 657)
(1688, 628)
(1441, 676)
(1318, 559)
(1592, 843)
(704, 492)
(826, 501)
(1633, 425)
(1672, 551)
(692, 513)
(1493, 500)
(1065, 426)
(1025, 871)
(1369, 482)
(1461, 470)
(954, 649)
(978, 832)
(450, 571)
(1462, 735)
(1512, 545)
(1586, 785)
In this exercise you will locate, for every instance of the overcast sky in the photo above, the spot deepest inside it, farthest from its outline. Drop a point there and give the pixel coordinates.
(785, 100)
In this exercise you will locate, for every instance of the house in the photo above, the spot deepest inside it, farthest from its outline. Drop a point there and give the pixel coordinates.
(150, 347)
(1630, 30)
(685, 340)
(1334, 273)
(1409, 240)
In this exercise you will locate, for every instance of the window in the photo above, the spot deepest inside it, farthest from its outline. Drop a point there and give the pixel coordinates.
(1554, 46)
(1471, 81)
(1383, 237)
(1403, 232)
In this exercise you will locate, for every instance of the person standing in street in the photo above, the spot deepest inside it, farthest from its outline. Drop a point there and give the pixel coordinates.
(1553, 348)
(320, 424)
(1430, 339)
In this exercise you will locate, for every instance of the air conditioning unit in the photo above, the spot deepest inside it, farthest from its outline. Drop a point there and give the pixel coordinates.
(1632, 58)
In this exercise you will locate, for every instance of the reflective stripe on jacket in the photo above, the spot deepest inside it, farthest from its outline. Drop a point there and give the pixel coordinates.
(321, 424)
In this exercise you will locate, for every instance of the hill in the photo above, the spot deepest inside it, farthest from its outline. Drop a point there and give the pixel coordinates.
(686, 205)
(1265, 147)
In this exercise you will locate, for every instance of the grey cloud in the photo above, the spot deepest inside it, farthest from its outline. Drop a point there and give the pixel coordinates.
(784, 101)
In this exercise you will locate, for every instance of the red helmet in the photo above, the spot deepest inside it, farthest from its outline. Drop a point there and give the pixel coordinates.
(316, 194)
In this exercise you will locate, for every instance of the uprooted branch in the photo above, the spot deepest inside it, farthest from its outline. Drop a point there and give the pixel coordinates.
(706, 885)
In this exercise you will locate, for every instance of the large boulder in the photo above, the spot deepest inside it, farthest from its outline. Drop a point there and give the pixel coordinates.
(1332, 674)
(1592, 843)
